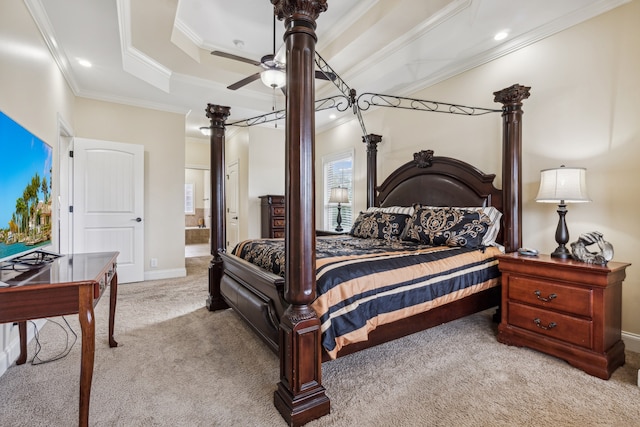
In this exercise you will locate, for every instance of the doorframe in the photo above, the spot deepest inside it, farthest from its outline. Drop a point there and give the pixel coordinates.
(63, 189)
(236, 163)
(202, 168)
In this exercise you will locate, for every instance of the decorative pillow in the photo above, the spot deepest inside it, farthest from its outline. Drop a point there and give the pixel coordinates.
(404, 210)
(379, 225)
(447, 227)
(492, 212)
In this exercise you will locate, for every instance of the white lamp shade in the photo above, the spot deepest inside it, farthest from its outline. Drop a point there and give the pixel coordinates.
(563, 185)
(273, 78)
(339, 195)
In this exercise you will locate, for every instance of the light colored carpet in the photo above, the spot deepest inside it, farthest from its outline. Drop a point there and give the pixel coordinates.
(180, 365)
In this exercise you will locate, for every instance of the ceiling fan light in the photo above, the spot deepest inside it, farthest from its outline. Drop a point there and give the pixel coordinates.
(273, 78)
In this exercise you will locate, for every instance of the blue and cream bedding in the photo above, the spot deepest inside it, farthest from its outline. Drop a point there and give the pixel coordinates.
(365, 282)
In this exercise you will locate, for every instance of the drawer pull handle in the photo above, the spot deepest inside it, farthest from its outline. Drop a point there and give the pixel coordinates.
(549, 298)
(541, 326)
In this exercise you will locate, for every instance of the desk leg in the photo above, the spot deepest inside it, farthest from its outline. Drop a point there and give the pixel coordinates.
(88, 327)
(112, 308)
(22, 332)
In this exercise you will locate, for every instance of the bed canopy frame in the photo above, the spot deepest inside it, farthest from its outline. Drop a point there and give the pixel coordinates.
(300, 396)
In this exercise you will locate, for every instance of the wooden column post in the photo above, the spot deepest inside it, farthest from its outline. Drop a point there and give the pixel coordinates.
(372, 141)
(300, 396)
(511, 99)
(218, 115)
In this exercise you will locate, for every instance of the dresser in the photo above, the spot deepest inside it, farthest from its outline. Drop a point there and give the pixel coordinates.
(565, 308)
(272, 216)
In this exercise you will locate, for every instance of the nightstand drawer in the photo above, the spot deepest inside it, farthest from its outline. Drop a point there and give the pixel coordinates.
(562, 327)
(278, 210)
(569, 299)
(278, 222)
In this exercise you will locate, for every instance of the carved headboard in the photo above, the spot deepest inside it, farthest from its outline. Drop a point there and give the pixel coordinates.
(438, 181)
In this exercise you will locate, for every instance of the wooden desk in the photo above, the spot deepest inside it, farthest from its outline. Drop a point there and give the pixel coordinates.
(68, 285)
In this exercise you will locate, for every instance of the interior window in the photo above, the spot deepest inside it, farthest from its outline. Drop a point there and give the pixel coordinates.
(338, 174)
(189, 207)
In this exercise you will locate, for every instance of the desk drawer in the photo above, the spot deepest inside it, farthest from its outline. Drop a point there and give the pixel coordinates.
(569, 299)
(551, 324)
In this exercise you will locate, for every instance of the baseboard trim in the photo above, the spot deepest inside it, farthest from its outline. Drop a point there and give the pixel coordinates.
(165, 274)
(631, 342)
(10, 353)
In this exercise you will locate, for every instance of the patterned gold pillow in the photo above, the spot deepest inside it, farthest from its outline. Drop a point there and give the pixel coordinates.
(447, 226)
(379, 225)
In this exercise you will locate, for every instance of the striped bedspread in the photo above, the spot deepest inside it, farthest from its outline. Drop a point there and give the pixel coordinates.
(363, 283)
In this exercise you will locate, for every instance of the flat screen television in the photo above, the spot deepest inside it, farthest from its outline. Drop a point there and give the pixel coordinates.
(25, 191)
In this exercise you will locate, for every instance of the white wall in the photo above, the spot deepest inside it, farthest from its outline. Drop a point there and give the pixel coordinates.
(583, 111)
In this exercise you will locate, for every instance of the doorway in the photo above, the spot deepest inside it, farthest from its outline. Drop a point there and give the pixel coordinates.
(197, 212)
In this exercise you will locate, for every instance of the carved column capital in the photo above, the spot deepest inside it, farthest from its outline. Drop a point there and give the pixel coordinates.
(299, 8)
(372, 140)
(218, 115)
(512, 95)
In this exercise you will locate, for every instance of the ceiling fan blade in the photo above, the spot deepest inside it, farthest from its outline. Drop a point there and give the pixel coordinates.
(245, 81)
(234, 57)
(322, 76)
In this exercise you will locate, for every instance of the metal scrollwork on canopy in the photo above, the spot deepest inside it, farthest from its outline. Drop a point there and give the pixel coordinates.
(339, 102)
(367, 100)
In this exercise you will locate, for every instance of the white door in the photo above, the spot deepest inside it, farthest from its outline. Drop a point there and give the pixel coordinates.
(108, 207)
(233, 231)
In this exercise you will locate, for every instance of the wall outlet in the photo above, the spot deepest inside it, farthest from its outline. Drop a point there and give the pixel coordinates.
(154, 262)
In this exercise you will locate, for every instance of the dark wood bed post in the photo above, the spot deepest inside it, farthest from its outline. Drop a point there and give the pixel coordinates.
(218, 115)
(511, 99)
(372, 141)
(300, 396)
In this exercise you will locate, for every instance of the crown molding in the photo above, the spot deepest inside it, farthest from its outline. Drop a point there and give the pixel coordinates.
(134, 61)
(37, 11)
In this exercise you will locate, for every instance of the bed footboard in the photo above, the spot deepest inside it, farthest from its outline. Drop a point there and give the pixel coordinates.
(256, 295)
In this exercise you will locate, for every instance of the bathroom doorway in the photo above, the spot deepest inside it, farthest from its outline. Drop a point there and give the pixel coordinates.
(197, 215)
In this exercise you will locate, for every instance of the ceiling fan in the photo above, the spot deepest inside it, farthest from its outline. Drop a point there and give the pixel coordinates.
(273, 67)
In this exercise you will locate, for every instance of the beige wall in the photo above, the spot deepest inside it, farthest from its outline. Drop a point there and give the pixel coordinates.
(162, 135)
(34, 93)
(237, 150)
(197, 153)
(583, 111)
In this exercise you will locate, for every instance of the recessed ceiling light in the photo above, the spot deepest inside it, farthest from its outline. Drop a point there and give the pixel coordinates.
(332, 116)
(501, 35)
(84, 63)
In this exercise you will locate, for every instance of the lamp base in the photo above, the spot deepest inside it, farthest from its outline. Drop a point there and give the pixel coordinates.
(339, 220)
(561, 252)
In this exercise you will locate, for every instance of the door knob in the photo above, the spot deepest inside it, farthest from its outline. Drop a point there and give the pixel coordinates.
(138, 219)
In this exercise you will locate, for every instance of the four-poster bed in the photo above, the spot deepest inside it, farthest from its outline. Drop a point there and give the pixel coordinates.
(280, 308)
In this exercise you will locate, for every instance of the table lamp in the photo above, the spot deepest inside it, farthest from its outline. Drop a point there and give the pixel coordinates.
(339, 195)
(562, 185)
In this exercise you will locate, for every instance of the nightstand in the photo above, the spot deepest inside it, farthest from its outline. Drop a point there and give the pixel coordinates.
(565, 308)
